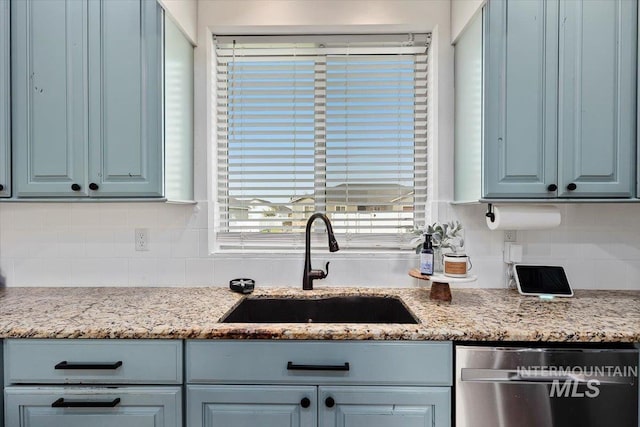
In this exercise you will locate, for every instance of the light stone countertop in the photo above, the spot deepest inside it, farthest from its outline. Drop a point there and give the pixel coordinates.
(194, 313)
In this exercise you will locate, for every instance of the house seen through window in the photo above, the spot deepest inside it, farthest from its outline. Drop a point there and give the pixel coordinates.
(334, 124)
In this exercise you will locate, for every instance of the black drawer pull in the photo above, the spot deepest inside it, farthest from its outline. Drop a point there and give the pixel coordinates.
(61, 403)
(88, 365)
(293, 367)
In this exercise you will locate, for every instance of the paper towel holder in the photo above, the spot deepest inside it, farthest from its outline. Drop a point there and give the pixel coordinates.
(490, 214)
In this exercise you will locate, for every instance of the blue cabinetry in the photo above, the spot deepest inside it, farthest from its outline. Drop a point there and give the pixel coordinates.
(124, 383)
(384, 406)
(264, 406)
(93, 406)
(125, 103)
(87, 98)
(318, 384)
(521, 64)
(597, 106)
(49, 97)
(560, 113)
(5, 104)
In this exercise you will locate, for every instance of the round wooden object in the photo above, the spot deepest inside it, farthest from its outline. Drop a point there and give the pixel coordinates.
(440, 289)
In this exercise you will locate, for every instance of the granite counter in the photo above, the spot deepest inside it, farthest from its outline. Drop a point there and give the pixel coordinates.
(194, 313)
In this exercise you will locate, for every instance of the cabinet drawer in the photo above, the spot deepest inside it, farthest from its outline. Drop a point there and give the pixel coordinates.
(319, 362)
(93, 361)
(93, 406)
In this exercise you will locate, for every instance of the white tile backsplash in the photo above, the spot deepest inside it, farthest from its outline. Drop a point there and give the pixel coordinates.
(94, 272)
(171, 272)
(91, 244)
(599, 245)
(185, 243)
(199, 271)
(143, 271)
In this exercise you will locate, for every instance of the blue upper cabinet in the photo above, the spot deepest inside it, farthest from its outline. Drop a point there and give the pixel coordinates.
(5, 105)
(87, 98)
(559, 99)
(125, 82)
(521, 77)
(597, 103)
(49, 97)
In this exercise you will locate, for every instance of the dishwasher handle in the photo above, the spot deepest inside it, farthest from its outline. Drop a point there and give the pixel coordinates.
(522, 377)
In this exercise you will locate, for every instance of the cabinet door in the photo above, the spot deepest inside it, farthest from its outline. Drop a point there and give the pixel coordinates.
(384, 406)
(264, 406)
(136, 407)
(49, 97)
(521, 72)
(597, 103)
(125, 78)
(5, 106)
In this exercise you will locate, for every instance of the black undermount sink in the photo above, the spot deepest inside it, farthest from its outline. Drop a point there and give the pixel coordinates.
(349, 309)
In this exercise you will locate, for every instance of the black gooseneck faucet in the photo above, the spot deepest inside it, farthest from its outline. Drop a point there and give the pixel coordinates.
(310, 274)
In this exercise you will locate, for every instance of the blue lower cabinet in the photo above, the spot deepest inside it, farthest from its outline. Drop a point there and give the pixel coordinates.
(384, 406)
(263, 406)
(311, 406)
(93, 406)
(318, 383)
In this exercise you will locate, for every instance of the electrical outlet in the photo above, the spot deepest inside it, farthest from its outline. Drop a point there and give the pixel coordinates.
(142, 239)
(510, 236)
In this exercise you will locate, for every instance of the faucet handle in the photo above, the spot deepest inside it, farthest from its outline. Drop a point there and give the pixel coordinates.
(319, 274)
(326, 273)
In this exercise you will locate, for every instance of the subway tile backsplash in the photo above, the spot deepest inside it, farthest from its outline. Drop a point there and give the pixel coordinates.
(598, 244)
(92, 244)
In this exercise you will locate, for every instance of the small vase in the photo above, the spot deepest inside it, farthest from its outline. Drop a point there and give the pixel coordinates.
(438, 266)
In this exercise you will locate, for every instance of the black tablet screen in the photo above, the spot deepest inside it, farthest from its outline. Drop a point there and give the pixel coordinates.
(543, 279)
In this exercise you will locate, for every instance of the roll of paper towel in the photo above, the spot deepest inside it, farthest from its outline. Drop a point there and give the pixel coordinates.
(524, 217)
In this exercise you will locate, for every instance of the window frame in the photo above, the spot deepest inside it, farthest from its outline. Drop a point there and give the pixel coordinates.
(277, 252)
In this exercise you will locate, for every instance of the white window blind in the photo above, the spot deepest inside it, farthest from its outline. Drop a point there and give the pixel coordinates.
(334, 124)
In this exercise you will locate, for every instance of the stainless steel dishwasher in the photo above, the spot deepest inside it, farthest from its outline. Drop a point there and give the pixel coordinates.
(546, 387)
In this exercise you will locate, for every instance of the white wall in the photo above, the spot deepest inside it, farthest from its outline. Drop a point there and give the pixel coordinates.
(185, 15)
(461, 13)
(91, 244)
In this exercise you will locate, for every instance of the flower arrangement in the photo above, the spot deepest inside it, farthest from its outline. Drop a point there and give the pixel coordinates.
(447, 235)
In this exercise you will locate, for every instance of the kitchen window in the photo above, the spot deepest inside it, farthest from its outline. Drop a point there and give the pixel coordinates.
(335, 124)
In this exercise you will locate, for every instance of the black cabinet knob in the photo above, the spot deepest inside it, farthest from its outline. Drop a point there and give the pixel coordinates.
(305, 402)
(571, 187)
(329, 402)
(93, 186)
(76, 187)
(1, 187)
(552, 187)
